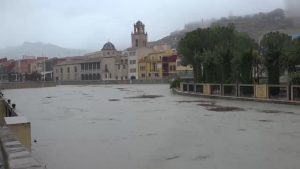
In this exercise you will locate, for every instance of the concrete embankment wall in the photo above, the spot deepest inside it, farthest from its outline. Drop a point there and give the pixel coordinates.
(19, 85)
(15, 138)
(165, 81)
(15, 155)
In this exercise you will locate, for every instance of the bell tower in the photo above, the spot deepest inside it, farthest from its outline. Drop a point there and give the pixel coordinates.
(139, 37)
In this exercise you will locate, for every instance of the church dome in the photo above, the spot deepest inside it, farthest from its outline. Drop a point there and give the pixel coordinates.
(139, 23)
(108, 46)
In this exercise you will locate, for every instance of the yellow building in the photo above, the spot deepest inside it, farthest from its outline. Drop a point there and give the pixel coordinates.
(151, 66)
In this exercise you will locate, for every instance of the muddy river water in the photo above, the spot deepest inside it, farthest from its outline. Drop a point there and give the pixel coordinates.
(120, 127)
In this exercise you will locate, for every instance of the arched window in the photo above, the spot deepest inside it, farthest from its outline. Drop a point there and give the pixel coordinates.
(94, 77)
(136, 43)
(90, 77)
(86, 77)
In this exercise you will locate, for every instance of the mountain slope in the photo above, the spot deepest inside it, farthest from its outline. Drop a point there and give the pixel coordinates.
(39, 49)
(255, 25)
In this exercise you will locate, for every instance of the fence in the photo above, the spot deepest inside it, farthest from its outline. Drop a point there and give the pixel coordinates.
(248, 91)
(295, 93)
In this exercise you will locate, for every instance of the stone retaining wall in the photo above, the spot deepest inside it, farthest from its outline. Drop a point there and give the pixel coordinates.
(15, 155)
(19, 85)
(164, 81)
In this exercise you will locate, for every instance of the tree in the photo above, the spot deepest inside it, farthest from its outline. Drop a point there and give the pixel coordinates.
(273, 46)
(216, 54)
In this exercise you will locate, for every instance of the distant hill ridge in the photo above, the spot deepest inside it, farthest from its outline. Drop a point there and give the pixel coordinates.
(39, 49)
(255, 25)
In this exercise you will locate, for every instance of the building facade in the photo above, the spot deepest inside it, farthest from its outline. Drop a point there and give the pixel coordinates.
(151, 66)
(78, 69)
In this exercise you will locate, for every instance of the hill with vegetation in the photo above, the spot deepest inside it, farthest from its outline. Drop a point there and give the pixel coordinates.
(254, 25)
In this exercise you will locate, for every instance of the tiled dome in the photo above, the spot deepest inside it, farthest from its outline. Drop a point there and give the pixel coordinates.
(108, 46)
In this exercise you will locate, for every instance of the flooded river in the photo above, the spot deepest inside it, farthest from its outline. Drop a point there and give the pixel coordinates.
(112, 127)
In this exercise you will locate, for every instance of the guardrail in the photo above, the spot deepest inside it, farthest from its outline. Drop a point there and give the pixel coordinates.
(270, 92)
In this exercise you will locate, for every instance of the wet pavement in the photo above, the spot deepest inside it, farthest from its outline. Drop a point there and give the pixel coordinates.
(147, 127)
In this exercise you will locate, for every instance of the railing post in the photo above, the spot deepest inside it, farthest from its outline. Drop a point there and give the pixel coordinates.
(292, 93)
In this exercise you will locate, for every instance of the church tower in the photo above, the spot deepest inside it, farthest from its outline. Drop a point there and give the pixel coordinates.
(139, 38)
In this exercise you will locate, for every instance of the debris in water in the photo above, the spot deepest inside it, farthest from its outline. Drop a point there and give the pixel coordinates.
(173, 157)
(114, 100)
(35, 140)
(242, 129)
(265, 120)
(195, 101)
(224, 109)
(201, 157)
(277, 112)
(144, 97)
(123, 89)
(48, 97)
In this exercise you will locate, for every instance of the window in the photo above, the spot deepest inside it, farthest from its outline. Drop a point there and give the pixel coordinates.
(105, 75)
(143, 75)
(90, 77)
(86, 77)
(56, 70)
(124, 66)
(121, 77)
(75, 69)
(116, 77)
(82, 76)
(136, 43)
(82, 67)
(86, 66)
(110, 75)
(119, 67)
(90, 66)
(98, 65)
(125, 77)
(94, 76)
(98, 76)
(121, 60)
(126, 60)
(132, 70)
(156, 75)
(94, 66)
(149, 74)
(171, 68)
(68, 69)
(142, 68)
(61, 70)
(106, 68)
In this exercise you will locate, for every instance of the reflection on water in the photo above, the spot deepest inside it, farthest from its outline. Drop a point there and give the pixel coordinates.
(97, 127)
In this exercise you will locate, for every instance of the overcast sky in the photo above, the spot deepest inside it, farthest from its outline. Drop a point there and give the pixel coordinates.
(88, 24)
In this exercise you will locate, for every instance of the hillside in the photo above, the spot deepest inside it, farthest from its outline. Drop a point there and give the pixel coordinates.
(39, 49)
(255, 25)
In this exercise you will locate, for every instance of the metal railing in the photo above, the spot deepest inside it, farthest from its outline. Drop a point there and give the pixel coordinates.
(250, 91)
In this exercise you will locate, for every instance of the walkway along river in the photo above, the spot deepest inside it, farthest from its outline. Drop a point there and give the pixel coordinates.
(112, 127)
